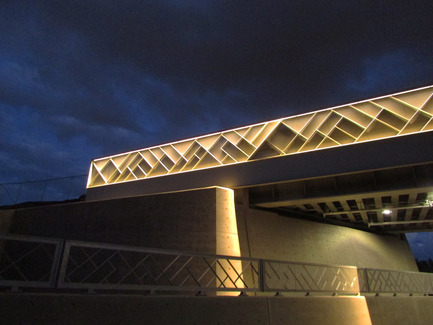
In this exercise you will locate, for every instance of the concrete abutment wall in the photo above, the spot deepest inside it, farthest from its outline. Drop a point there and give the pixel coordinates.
(271, 236)
(209, 221)
(88, 309)
(136, 309)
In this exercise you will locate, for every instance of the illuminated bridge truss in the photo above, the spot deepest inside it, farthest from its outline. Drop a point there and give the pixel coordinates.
(383, 117)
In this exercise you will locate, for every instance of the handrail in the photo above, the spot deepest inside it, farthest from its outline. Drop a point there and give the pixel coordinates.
(56, 264)
(393, 281)
(29, 261)
(107, 266)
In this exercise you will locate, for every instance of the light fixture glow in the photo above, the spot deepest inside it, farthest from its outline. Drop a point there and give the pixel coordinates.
(386, 212)
(370, 120)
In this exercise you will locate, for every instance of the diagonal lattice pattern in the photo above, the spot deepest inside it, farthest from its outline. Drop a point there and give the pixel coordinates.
(37, 262)
(384, 117)
(283, 276)
(27, 262)
(395, 281)
(125, 267)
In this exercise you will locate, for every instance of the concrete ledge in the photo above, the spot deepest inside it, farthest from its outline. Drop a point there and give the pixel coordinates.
(84, 309)
(135, 309)
(26, 308)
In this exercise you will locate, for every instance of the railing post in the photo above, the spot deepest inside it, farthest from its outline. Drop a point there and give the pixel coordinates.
(61, 271)
(261, 275)
(367, 281)
(57, 263)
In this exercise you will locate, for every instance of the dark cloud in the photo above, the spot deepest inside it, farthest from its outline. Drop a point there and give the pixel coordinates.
(81, 79)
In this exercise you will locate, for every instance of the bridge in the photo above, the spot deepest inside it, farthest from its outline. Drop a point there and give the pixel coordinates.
(317, 204)
(366, 163)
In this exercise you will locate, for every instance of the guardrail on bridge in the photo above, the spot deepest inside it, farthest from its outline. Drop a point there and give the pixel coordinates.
(55, 264)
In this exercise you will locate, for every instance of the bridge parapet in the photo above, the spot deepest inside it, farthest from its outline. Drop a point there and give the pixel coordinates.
(391, 116)
(58, 265)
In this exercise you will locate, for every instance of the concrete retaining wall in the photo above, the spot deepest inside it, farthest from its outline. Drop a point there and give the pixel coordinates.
(207, 221)
(198, 221)
(135, 309)
(268, 235)
(99, 309)
(400, 310)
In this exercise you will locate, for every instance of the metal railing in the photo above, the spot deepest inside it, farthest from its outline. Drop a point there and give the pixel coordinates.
(29, 262)
(390, 281)
(103, 266)
(305, 277)
(54, 189)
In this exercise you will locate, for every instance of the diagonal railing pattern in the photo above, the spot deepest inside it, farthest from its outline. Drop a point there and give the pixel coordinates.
(30, 262)
(389, 281)
(64, 265)
(112, 266)
(286, 276)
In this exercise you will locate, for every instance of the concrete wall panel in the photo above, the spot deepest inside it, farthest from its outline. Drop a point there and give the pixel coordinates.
(135, 309)
(198, 221)
(319, 310)
(87, 309)
(5, 220)
(278, 237)
(117, 309)
(400, 310)
(206, 221)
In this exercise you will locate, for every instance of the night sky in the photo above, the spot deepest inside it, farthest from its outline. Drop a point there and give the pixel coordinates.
(85, 79)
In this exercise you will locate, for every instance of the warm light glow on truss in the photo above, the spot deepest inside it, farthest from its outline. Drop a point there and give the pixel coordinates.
(378, 118)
